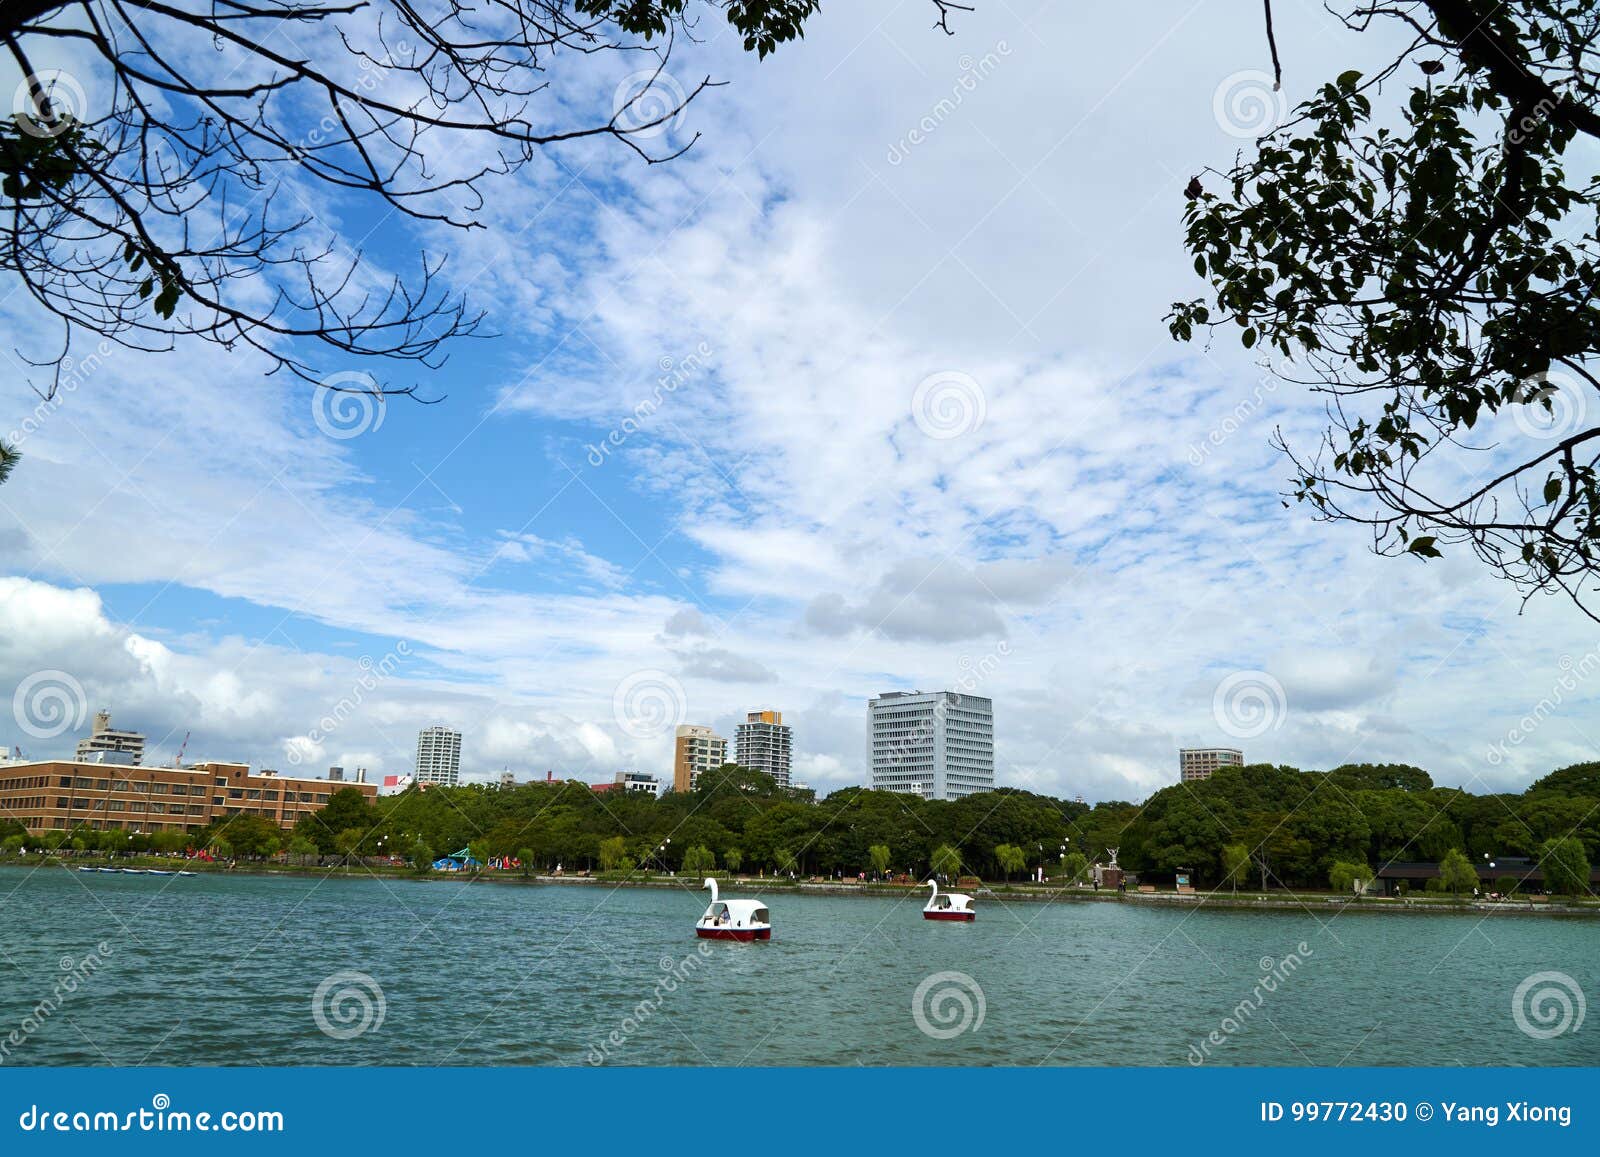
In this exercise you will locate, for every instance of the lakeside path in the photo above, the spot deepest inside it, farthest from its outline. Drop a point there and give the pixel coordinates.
(1003, 894)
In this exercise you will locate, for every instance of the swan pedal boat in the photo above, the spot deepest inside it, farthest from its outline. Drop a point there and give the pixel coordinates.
(947, 905)
(733, 919)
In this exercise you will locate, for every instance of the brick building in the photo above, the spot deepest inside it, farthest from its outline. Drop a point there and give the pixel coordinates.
(62, 795)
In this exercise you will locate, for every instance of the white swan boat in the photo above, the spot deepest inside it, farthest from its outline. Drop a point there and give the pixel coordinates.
(733, 919)
(947, 905)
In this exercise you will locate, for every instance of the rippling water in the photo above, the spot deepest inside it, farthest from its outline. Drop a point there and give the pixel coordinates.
(214, 970)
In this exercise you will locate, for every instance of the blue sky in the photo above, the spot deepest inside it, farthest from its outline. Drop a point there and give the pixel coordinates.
(927, 422)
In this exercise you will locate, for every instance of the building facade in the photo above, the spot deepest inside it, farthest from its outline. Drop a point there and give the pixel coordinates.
(64, 795)
(439, 756)
(696, 750)
(1196, 763)
(108, 745)
(764, 742)
(939, 745)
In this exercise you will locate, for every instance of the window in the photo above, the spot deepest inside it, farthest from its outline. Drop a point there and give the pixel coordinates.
(235, 793)
(159, 788)
(216, 799)
(102, 785)
(195, 809)
(222, 781)
(118, 805)
(64, 781)
(61, 801)
(269, 795)
(253, 793)
(180, 789)
(82, 781)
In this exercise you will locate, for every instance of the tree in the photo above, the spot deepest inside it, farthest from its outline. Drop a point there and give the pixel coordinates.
(1456, 874)
(251, 836)
(9, 457)
(698, 859)
(421, 856)
(612, 853)
(11, 845)
(346, 808)
(945, 861)
(1431, 267)
(1010, 858)
(1235, 864)
(302, 848)
(525, 859)
(347, 843)
(208, 111)
(733, 858)
(1566, 868)
(1345, 876)
(879, 857)
(1076, 866)
(785, 860)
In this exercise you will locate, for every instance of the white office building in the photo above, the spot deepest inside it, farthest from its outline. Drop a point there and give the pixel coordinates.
(764, 742)
(939, 744)
(106, 744)
(439, 756)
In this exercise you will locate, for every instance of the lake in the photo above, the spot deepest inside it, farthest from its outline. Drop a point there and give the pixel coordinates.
(131, 970)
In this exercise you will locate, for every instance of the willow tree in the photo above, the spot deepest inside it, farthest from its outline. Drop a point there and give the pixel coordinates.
(1419, 245)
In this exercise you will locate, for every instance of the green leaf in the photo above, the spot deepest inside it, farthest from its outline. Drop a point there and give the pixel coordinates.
(1424, 546)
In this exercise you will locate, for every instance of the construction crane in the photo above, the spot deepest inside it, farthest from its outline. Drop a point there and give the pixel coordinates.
(182, 747)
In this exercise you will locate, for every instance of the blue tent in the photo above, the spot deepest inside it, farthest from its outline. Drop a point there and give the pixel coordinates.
(456, 862)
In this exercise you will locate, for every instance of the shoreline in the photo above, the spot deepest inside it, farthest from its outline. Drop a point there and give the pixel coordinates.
(1309, 904)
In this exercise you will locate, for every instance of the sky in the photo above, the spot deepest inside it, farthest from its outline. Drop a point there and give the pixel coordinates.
(869, 390)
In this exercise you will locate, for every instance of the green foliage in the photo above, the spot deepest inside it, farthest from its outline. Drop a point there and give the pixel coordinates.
(1236, 864)
(612, 852)
(699, 859)
(1076, 867)
(1345, 876)
(879, 857)
(945, 860)
(1456, 874)
(763, 24)
(1566, 868)
(9, 457)
(733, 858)
(1433, 264)
(1010, 858)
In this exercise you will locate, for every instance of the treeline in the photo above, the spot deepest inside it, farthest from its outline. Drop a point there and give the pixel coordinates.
(1289, 826)
(1296, 825)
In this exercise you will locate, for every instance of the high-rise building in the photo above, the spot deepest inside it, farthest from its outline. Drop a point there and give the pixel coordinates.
(1199, 762)
(696, 750)
(439, 756)
(764, 742)
(108, 745)
(939, 745)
